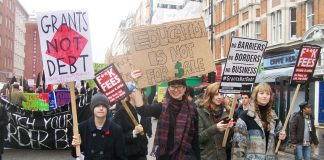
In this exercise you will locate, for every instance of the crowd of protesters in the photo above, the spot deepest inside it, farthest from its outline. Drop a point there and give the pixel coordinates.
(189, 127)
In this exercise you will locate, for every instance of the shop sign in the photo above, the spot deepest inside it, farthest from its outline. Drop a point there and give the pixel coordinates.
(280, 61)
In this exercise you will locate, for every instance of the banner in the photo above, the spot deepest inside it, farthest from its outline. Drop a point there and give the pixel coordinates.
(37, 129)
(65, 46)
(36, 102)
(306, 63)
(243, 59)
(111, 84)
(169, 51)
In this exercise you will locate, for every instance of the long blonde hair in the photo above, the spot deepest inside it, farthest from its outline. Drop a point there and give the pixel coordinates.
(263, 87)
(209, 94)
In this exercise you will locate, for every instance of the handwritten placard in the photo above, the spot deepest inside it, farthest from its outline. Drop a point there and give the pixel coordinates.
(65, 45)
(169, 51)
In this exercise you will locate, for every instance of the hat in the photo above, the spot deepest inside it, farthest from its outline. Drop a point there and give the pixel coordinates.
(304, 105)
(99, 99)
(178, 81)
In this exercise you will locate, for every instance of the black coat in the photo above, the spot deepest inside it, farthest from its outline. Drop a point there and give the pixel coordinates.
(297, 126)
(3, 124)
(105, 144)
(135, 146)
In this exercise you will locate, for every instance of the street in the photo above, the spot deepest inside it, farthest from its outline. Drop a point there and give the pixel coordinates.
(26, 154)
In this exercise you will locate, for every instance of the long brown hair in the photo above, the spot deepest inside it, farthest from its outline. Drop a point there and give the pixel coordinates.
(265, 87)
(209, 94)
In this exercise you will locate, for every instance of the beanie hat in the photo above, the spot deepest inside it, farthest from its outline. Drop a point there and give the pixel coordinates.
(99, 99)
(304, 105)
(178, 81)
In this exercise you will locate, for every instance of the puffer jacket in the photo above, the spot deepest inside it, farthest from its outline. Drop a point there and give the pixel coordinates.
(210, 139)
(249, 140)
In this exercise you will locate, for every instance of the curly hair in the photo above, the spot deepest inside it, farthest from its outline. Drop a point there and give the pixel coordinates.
(209, 94)
(263, 87)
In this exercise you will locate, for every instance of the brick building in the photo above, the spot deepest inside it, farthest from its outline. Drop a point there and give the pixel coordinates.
(7, 38)
(33, 57)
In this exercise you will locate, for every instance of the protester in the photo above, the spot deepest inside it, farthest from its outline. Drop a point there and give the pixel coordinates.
(244, 103)
(211, 124)
(99, 137)
(258, 128)
(135, 136)
(176, 135)
(3, 124)
(190, 94)
(303, 132)
(17, 97)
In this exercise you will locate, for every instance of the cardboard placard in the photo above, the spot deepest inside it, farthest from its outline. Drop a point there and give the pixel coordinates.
(111, 84)
(306, 63)
(65, 45)
(243, 59)
(169, 51)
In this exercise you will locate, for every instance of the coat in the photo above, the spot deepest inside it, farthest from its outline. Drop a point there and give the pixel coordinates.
(210, 139)
(105, 144)
(134, 146)
(297, 126)
(249, 142)
(17, 97)
(3, 126)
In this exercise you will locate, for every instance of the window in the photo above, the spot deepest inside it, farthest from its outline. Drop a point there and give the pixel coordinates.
(233, 7)
(273, 27)
(0, 18)
(292, 23)
(279, 22)
(244, 3)
(245, 30)
(0, 41)
(257, 30)
(222, 47)
(276, 26)
(233, 34)
(309, 14)
(223, 11)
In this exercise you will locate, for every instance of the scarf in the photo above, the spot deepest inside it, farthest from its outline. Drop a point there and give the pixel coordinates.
(184, 125)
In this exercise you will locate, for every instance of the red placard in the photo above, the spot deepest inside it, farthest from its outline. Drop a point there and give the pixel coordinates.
(111, 84)
(306, 63)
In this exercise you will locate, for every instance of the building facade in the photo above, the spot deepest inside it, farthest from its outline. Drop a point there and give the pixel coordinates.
(33, 57)
(286, 25)
(7, 39)
(20, 30)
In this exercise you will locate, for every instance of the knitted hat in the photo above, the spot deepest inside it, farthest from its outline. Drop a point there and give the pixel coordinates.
(304, 105)
(99, 99)
(178, 81)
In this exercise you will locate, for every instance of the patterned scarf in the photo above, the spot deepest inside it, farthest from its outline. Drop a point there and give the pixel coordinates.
(184, 125)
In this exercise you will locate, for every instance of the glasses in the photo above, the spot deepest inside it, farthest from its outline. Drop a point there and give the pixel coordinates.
(174, 87)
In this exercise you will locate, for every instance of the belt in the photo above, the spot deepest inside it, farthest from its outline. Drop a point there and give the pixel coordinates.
(306, 143)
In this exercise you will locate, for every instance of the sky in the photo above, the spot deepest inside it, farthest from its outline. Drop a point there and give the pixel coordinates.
(104, 18)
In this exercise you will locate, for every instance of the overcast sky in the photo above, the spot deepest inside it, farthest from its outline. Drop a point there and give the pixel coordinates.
(104, 17)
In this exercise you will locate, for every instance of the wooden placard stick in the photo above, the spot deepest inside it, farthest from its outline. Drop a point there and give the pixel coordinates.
(230, 117)
(288, 115)
(74, 116)
(130, 114)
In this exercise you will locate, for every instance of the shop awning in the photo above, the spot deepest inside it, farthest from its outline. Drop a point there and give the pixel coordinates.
(271, 75)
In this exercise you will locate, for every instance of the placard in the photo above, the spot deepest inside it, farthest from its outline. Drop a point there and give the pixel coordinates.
(244, 57)
(169, 51)
(111, 84)
(306, 63)
(65, 46)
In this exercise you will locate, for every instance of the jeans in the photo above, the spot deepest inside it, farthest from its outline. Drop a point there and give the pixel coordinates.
(303, 152)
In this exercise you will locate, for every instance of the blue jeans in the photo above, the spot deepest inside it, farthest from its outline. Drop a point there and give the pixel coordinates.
(303, 152)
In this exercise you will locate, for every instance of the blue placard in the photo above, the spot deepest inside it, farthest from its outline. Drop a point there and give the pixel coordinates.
(280, 61)
(52, 100)
(321, 103)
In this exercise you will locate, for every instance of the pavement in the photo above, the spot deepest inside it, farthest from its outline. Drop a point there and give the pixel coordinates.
(28, 154)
